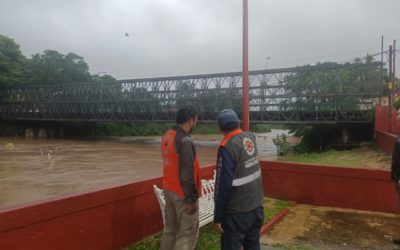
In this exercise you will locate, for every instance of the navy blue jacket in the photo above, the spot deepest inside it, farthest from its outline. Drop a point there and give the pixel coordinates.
(223, 183)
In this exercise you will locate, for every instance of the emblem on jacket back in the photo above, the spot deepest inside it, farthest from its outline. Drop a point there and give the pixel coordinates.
(248, 146)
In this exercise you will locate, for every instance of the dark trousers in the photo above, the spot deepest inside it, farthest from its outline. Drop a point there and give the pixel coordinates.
(242, 229)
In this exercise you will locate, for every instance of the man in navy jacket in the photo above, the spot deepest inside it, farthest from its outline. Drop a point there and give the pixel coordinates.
(238, 195)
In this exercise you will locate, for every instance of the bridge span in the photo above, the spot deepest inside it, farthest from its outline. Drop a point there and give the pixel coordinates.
(323, 94)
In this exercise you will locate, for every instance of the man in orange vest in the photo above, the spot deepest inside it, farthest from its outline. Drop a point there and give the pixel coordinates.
(238, 196)
(182, 184)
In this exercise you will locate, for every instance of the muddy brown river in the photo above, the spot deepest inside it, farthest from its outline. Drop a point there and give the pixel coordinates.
(37, 169)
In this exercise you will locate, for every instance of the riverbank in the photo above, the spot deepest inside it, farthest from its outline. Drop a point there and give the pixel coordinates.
(368, 155)
(152, 128)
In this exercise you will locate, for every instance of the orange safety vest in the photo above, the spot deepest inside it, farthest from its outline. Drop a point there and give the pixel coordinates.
(229, 136)
(171, 165)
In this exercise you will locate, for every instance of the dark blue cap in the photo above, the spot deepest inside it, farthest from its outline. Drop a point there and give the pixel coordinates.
(227, 120)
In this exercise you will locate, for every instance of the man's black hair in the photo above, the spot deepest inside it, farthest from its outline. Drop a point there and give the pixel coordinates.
(185, 114)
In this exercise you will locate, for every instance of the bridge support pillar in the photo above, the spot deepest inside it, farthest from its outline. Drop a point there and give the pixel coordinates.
(345, 136)
(61, 133)
(42, 133)
(29, 133)
(51, 133)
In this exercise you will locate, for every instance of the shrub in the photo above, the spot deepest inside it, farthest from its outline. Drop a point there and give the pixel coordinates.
(282, 145)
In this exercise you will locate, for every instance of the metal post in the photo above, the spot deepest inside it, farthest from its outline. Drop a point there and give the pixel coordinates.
(381, 87)
(390, 84)
(245, 73)
(394, 68)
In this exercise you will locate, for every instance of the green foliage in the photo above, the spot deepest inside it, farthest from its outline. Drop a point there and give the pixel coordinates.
(104, 78)
(364, 156)
(143, 129)
(281, 143)
(7, 129)
(49, 67)
(273, 207)
(330, 157)
(397, 103)
(206, 129)
(260, 128)
(209, 239)
(324, 137)
(185, 94)
(52, 67)
(206, 100)
(327, 81)
(13, 65)
(302, 148)
(149, 243)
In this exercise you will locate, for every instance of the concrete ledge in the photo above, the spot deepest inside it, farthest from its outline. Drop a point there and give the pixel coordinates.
(118, 216)
(363, 189)
(110, 218)
(385, 140)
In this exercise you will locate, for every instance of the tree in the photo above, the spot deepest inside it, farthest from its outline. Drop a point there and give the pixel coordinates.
(324, 87)
(52, 67)
(104, 78)
(13, 65)
(186, 94)
(317, 86)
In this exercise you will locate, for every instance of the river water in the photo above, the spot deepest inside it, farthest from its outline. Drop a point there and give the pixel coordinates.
(36, 169)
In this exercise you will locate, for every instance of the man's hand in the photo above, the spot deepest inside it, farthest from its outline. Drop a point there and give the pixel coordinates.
(218, 227)
(190, 209)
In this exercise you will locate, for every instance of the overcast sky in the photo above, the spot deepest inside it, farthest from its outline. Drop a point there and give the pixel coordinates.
(176, 37)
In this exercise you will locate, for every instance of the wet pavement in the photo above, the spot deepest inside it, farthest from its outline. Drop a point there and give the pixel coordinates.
(308, 227)
(37, 169)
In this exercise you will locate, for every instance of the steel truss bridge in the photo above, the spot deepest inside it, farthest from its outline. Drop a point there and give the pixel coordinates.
(312, 94)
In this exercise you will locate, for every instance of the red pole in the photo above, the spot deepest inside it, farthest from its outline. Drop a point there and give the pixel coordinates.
(394, 68)
(245, 74)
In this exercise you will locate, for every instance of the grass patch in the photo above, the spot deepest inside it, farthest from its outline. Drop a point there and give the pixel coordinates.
(273, 207)
(149, 243)
(366, 156)
(260, 128)
(208, 238)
